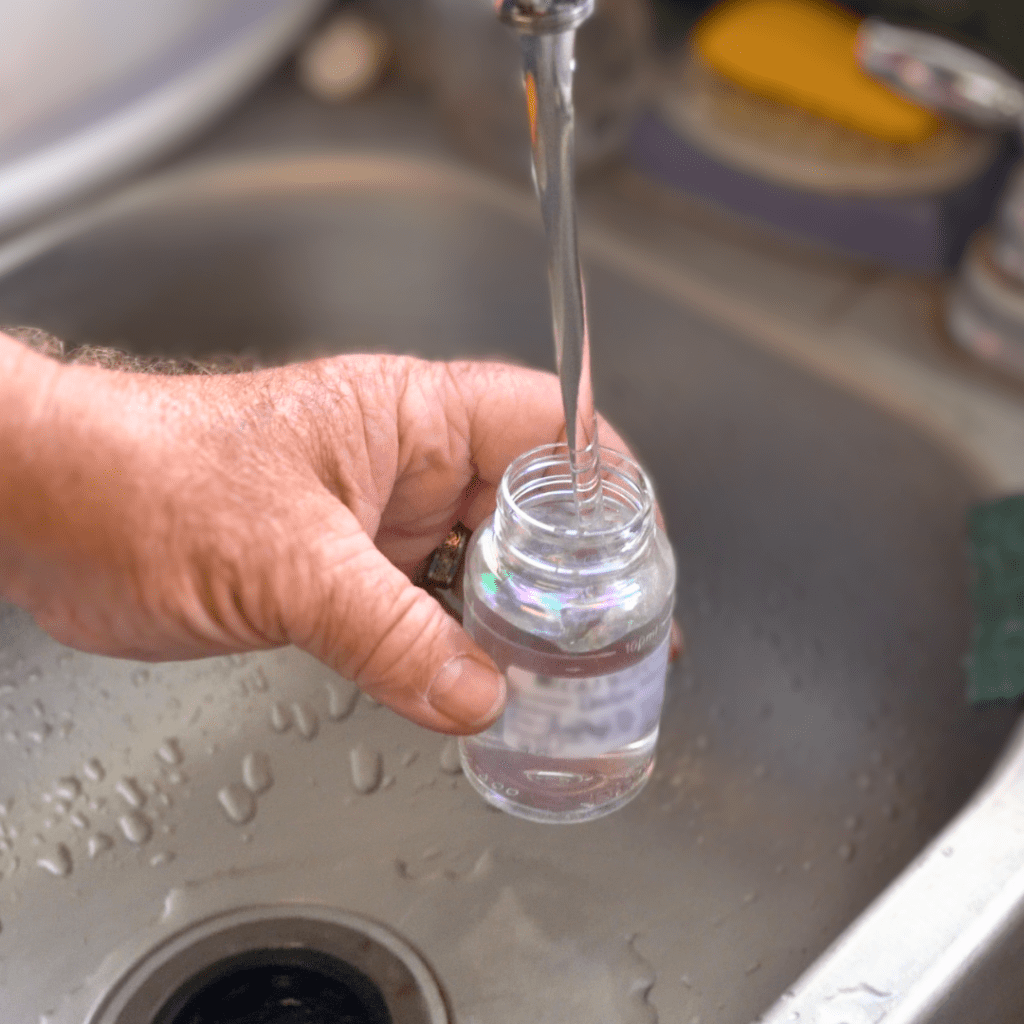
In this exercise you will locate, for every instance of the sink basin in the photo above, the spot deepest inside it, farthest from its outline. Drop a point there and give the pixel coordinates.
(816, 734)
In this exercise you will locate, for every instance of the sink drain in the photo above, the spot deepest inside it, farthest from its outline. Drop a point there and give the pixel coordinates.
(277, 986)
(277, 965)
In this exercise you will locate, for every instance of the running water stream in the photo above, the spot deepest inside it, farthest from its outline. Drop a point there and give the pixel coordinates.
(547, 32)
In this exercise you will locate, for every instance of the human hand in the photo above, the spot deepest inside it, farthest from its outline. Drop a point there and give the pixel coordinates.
(163, 518)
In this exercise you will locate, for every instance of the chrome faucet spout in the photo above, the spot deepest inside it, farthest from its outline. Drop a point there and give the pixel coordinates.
(544, 17)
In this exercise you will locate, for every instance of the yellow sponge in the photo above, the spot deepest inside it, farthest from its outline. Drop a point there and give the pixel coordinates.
(802, 52)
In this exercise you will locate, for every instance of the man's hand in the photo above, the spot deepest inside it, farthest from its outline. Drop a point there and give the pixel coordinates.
(163, 518)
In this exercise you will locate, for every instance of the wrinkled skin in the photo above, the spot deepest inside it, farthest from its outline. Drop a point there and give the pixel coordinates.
(165, 518)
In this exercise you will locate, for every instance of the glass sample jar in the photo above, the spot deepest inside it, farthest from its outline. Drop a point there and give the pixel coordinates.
(578, 620)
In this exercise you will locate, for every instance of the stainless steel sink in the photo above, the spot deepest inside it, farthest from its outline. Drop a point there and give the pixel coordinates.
(816, 734)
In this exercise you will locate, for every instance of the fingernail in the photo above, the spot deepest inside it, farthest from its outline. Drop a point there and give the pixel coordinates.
(676, 644)
(467, 692)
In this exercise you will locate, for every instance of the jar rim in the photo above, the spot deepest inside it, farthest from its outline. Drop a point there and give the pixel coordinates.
(612, 462)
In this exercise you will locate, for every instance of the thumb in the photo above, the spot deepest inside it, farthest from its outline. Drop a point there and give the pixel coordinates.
(400, 646)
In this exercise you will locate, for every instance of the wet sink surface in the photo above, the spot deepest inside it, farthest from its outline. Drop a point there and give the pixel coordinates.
(815, 736)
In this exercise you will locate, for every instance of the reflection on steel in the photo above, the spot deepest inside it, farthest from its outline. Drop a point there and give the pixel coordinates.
(922, 951)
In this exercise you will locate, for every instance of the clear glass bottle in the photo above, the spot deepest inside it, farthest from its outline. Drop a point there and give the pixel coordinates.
(578, 619)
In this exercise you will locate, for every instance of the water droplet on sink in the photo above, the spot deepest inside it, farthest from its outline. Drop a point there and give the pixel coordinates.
(238, 803)
(702, 743)
(280, 717)
(863, 782)
(341, 699)
(98, 843)
(136, 827)
(176, 778)
(256, 772)
(170, 751)
(449, 758)
(93, 770)
(140, 676)
(68, 788)
(366, 766)
(258, 680)
(159, 859)
(79, 820)
(33, 676)
(131, 792)
(847, 851)
(306, 721)
(57, 861)
(484, 864)
(852, 823)
(409, 757)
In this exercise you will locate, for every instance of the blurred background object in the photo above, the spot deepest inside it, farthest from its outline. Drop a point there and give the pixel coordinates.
(985, 310)
(92, 88)
(475, 74)
(344, 58)
(764, 111)
(993, 27)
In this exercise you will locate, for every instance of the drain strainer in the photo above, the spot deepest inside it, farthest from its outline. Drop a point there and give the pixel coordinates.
(277, 986)
(277, 965)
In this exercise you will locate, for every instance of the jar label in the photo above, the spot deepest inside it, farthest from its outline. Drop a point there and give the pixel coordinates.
(584, 716)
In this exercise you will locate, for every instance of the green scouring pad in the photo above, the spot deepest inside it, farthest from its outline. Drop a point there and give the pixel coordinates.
(995, 666)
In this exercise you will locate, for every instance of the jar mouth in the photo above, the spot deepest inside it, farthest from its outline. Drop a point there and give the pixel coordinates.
(543, 474)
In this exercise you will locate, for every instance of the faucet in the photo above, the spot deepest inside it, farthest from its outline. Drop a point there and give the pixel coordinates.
(544, 17)
(985, 309)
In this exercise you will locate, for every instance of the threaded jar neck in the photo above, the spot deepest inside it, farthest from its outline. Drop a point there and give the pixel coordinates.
(536, 525)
